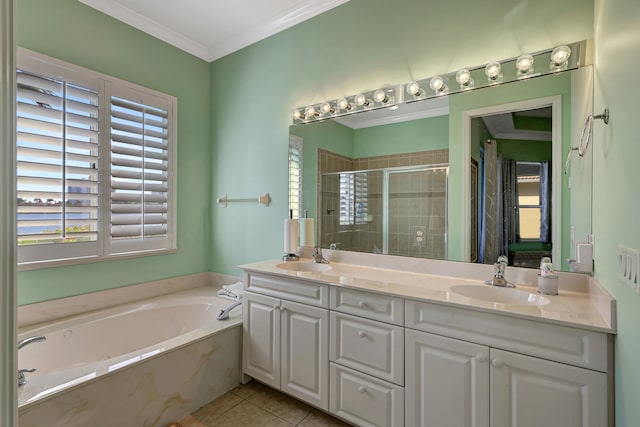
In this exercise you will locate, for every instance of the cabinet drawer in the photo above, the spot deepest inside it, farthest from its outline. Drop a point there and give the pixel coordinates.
(364, 400)
(366, 304)
(574, 346)
(293, 290)
(368, 346)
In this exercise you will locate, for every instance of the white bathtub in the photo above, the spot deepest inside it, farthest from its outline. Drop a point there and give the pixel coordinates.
(170, 353)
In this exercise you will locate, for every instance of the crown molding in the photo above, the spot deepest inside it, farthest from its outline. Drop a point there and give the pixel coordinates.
(289, 18)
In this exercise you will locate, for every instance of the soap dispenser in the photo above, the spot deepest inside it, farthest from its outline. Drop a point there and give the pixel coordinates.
(547, 279)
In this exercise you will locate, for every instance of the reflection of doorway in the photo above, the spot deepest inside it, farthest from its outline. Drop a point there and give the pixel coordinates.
(528, 139)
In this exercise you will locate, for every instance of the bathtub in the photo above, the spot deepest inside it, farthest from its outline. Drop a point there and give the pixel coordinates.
(141, 364)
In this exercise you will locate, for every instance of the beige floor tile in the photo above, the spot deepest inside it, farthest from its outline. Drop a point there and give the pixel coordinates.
(189, 421)
(247, 414)
(208, 413)
(280, 405)
(248, 389)
(319, 419)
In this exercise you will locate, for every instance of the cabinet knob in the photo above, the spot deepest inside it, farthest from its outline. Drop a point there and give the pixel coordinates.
(276, 307)
(481, 358)
(361, 389)
(496, 363)
(361, 334)
(361, 304)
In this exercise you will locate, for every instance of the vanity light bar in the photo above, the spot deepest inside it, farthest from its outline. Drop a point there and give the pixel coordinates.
(364, 101)
(525, 66)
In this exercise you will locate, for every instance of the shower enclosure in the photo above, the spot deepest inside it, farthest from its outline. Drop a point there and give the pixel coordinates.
(395, 211)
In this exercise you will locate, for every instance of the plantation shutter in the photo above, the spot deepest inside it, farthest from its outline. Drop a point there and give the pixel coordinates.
(139, 174)
(57, 161)
(295, 175)
(353, 198)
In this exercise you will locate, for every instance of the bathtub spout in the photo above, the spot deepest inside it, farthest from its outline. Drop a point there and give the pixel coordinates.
(21, 378)
(30, 340)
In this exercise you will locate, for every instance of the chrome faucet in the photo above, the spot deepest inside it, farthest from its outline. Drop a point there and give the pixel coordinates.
(39, 338)
(499, 278)
(317, 255)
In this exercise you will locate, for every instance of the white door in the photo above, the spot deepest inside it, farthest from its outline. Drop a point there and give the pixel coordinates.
(447, 382)
(531, 392)
(261, 338)
(305, 353)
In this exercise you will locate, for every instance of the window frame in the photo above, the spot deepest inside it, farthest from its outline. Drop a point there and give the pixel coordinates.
(59, 254)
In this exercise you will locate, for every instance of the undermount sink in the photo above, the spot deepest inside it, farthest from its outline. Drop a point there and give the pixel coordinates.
(309, 267)
(499, 295)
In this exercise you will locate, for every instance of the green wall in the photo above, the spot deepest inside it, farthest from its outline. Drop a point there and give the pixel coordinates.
(615, 198)
(341, 52)
(525, 151)
(68, 30)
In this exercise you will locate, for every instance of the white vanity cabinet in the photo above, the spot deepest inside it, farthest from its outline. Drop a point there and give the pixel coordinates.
(467, 370)
(366, 353)
(285, 342)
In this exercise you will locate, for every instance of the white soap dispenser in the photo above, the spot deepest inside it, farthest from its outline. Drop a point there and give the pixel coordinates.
(547, 279)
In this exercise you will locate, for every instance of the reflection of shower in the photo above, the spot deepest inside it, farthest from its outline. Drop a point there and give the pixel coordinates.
(397, 211)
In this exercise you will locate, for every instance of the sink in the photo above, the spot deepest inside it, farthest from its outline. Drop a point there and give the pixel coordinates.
(309, 267)
(499, 295)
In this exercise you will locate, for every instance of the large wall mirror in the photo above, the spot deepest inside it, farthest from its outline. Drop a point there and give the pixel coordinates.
(464, 177)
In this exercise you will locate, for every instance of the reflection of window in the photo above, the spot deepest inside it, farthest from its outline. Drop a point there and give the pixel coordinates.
(353, 198)
(95, 164)
(295, 175)
(529, 200)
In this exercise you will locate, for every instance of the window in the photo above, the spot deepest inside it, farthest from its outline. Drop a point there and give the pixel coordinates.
(295, 175)
(529, 200)
(95, 164)
(353, 198)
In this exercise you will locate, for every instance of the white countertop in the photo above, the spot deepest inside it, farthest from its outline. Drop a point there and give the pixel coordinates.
(588, 308)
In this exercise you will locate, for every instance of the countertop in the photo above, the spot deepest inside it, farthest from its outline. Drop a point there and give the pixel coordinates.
(591, 308)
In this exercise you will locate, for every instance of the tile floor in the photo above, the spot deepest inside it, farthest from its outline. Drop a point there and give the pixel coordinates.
(254, 404)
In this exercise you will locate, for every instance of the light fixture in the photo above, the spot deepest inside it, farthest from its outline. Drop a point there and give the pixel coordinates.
(560, 58)
(310, 111)
(524, 65)
(414, 89)
(380, 97)
(343, 104)
(463, 77)
(438, 85)
(493, 70)
(326, 108)
(361, 101)
(298, 115)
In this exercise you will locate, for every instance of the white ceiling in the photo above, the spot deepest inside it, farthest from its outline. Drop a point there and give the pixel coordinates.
(211, 29)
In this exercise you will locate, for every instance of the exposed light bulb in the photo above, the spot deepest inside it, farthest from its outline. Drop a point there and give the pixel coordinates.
(297, 114)
(326, 108)
(437, 84)
(413, 89)
(361, 100)
(560, 56)
(380, 97)
(343, 104)
(492, 71)
(310, 111)
(524, 64)
(463, 77)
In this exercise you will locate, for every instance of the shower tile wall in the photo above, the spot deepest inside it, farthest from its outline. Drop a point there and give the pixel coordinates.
(415, 201)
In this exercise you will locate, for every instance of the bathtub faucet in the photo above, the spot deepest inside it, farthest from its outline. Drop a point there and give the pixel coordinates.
(39, 338)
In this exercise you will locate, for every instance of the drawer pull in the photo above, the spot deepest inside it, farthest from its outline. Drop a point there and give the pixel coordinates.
(361, 389)
(361, 334)
(361, 304)
(496, 363)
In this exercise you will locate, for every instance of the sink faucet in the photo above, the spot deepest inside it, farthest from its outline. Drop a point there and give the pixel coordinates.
(39, 338)
(499, 278)
(317, 255)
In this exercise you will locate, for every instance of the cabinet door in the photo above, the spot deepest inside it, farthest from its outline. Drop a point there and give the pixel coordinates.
(447, 382)
(261, 338)
(305, 353)
(531, 392)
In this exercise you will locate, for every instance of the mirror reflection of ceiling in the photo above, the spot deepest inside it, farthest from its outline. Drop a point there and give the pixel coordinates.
(530, 125)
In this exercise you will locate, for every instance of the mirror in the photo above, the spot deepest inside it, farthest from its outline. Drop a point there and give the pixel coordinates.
(411, 181)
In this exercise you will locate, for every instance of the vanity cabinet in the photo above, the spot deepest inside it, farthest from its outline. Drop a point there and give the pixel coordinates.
(474, 375)
(285, 343)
